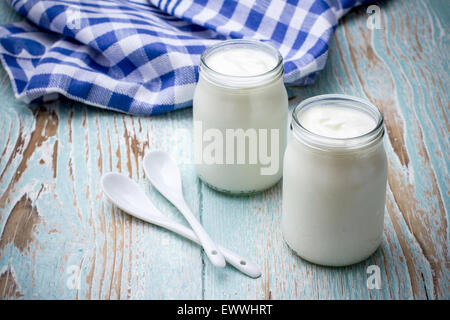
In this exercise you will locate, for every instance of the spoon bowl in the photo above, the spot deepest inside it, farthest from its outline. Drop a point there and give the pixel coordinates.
(126, 194)
(159, 166)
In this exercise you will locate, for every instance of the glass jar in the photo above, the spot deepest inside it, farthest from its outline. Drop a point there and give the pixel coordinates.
(334, 189)
(240, 121)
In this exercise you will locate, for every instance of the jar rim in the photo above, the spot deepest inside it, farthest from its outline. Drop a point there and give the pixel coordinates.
(240, 80)
(317, 140)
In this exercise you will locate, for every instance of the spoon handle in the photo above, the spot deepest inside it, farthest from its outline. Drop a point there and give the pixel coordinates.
(240, 263)
(211, 249)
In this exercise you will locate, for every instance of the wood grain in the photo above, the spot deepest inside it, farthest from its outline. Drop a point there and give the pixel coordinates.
(54, 218)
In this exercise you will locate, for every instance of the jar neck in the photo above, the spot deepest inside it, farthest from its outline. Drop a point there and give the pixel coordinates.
(238, 81)
(340, 145)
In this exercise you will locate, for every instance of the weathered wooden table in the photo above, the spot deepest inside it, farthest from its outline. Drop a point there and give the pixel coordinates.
(55, 223)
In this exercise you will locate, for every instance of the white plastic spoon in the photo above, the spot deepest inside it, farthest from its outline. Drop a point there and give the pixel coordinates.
(128, 196)
(164, 174)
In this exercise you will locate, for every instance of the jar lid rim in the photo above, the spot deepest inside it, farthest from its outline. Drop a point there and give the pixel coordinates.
(240, 81)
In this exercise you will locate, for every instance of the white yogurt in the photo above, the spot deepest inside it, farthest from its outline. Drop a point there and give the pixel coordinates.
(337, 121)
(334, 180)
(241, 61)
(240, 110)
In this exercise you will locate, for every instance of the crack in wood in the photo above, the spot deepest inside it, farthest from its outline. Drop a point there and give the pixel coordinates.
(9, 288)
(20, 225)
(46, 127)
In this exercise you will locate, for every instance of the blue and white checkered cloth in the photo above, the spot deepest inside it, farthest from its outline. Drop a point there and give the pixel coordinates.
(141, 56)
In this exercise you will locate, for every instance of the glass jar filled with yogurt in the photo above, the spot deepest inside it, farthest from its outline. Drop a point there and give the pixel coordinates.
(240, 112)
(334, 180)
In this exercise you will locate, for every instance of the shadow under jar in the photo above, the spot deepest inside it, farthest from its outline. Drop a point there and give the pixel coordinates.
(240, 111)
(334, 180)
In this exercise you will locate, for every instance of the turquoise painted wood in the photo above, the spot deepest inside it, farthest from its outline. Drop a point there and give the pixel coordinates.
(55, 222)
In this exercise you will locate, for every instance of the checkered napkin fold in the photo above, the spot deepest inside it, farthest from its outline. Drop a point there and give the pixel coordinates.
(142, 56)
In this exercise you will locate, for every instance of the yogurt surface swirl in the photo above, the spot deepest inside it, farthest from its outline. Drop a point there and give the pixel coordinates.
(335, 121)
(241, 62)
